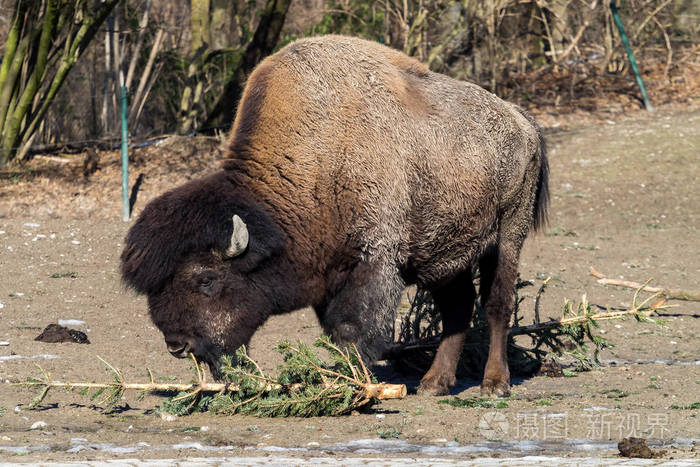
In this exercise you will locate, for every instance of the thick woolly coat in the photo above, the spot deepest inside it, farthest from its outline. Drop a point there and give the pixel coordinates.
(357, 171)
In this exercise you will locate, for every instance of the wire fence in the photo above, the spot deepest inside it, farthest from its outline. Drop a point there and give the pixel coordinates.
(114, 143)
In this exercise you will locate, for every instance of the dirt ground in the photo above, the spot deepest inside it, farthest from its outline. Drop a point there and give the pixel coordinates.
(625, 199)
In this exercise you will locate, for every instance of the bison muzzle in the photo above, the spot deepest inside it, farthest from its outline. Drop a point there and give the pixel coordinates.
(352, 171)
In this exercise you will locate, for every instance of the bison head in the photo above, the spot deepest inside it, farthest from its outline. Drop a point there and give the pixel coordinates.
(202, 268)
(206, 308)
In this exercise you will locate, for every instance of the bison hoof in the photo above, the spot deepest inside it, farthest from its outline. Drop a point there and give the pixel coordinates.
(436, 386)
(490, 388)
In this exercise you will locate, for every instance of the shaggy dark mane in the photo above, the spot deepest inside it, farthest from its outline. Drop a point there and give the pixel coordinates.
(195, 216)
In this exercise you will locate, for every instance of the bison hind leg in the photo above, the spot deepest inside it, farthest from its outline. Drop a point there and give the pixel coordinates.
(499, 270)
(362, 311)
(455, 301)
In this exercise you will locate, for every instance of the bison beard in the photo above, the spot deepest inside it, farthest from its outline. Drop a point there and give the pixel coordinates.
(352, 171)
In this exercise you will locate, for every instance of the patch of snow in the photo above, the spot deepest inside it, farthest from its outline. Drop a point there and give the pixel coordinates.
(281, 449)
(104, 447)
(46, 356)
(202, 447)
(70, 322)
(23, 450)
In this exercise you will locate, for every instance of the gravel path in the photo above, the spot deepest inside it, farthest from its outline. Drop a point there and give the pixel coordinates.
(372, 462)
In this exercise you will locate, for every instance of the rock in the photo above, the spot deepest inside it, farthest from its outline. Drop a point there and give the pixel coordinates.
(37, 425)
(168, 417)
(55, 333)
(637, 447)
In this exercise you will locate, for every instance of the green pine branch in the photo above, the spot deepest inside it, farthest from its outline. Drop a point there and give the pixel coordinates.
(307, 386)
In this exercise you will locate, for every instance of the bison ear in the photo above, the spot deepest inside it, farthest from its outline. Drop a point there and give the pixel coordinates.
(239, 238)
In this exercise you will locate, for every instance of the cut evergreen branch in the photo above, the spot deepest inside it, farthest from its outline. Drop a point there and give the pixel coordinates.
(306, 386)
(572, 335)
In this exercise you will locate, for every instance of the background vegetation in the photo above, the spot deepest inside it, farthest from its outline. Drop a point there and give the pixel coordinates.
(185, 63)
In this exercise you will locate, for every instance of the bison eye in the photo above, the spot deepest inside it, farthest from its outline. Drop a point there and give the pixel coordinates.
(207, 283)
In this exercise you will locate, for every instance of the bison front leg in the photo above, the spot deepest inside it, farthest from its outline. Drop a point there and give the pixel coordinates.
(455, 301)
(498, 274)
(362, 311)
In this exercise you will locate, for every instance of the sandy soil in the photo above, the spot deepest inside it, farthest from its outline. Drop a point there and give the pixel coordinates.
(625, 199)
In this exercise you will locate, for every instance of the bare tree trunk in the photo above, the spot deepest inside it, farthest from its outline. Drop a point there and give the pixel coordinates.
(220, 23)
(139, 96)
(139, 43)
(138, 105)
(199, 24)
(199, 43)
(264, 41)
(104, 115)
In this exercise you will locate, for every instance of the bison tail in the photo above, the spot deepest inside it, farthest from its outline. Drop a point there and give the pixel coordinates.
(542, 194)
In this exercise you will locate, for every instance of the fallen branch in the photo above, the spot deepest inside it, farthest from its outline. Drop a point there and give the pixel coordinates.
(306, 385)
(574, 40)
(60, 160)
(667, 294)
(641, 311)
(420, 334)
(538, 297)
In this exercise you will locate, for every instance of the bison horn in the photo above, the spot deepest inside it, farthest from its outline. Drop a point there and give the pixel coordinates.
(239, 238)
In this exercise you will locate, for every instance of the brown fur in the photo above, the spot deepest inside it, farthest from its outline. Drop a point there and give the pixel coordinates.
(358, 171)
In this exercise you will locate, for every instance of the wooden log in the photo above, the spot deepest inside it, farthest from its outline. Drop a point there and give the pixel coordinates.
(668, 294)
(380, 391)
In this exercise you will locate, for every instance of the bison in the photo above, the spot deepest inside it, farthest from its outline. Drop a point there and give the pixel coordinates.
(351, 172)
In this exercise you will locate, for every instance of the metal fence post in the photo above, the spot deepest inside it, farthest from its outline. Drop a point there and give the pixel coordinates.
(630, 55)
(125, 158)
